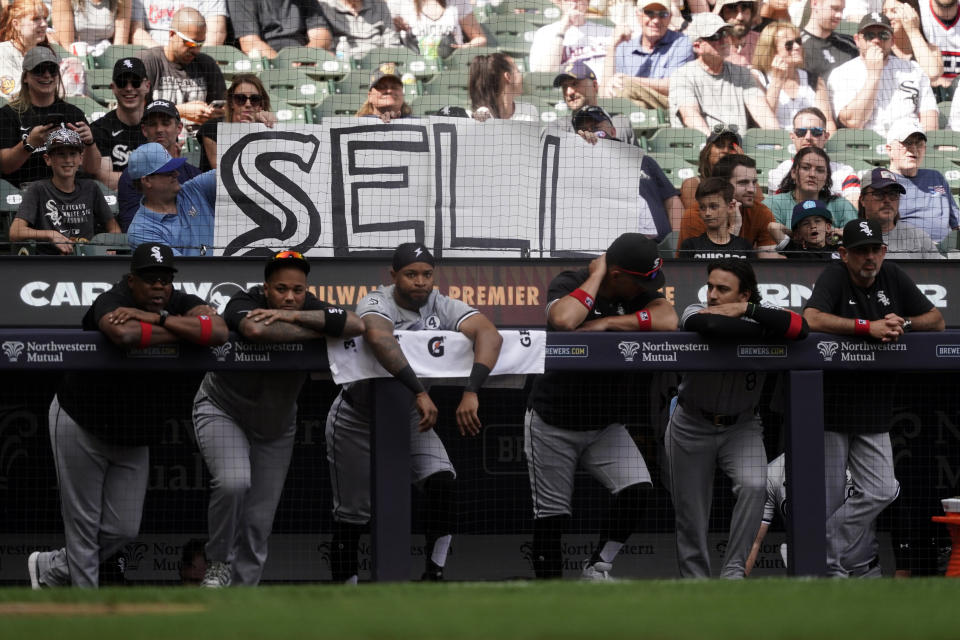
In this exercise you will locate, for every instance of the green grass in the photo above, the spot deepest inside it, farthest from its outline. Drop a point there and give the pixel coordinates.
(656, 610)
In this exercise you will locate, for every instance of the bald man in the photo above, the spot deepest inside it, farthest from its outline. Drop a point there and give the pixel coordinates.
(178, 72)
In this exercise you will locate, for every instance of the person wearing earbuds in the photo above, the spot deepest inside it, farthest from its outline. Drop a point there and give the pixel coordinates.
(36, 111)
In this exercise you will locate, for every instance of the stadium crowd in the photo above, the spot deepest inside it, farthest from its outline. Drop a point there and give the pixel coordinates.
(809, 130)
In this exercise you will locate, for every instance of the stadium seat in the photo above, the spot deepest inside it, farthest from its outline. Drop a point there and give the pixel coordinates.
(757, 140)
(944, 108)
(105, 244)
(293, 86)
(319, 64)
(110, 196)
(453, 81)
(540, 83)
(98, 82)
(537, 12)
(675, 167)
(337, 106)
(191, 151)
(116, 52)
(668, 246)
(289, 114)
(950, 245)
(945, 164)
(944, 141)
(460, 59)
(687, 143)
(232, 61)
(92, 109)
(618, 106)
(429, 105)
(645, 122)
(406, 61)
(766, 160)
(863, 143)
(10, 198)
(516, 46)
(848, 28)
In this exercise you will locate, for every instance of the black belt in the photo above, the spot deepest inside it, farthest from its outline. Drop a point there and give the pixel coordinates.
(716, 419)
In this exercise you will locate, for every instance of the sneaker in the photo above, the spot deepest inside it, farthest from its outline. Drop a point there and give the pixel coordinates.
(433, 573)
(352, 580)
(218, 575)
(34, 571)
(598, 571)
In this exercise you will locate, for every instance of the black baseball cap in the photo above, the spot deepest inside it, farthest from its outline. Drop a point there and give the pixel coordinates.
(410, 252)
(129, 67)
(282, 259)
(874, 19)
(858, 233)
(152, 255)
(160, 106)
(636, 254)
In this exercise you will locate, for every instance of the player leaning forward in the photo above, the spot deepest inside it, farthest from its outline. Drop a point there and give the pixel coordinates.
(716, 421)
(245, 421)
(579, 419)
(863, 295)
(410, 304)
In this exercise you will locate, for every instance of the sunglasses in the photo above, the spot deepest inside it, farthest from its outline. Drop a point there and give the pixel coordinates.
(801, 132)
(240, 99)
(190, 42)
(790, 44)
(47, 67)
(717, 37)
(739, 6)
(288, 255)
(882, 34)
(653, 13)
(152, 278)
(126, 81)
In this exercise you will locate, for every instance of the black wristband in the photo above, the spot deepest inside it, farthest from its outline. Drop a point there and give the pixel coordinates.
(751, 309)
(478, 376)
(409, 379)
(334, 321)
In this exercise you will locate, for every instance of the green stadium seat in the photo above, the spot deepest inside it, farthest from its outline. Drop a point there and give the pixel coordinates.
(668, 246)
(290, 114)
(110, 195)
(10, 197)
(337, 106)
(92, 109)
(406, 61)
(515, 46)
(950, 245)
(687, 143)
(319, 64)
(98, 82)
(429, 105)
(116, 52)
(945, 164)
(460, 59)
(848, 28)
(511, 24)
(944, 108)
(293, 86)
(540, 83)
(944, 141)
(646, 121)
(675, 167)
(105, 244)
(861, 142)
(232, 61)
(757, 140)
(453, 81)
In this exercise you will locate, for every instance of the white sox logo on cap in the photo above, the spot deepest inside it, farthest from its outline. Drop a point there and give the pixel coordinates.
(155, 254)
(128, 63)
(865, 228)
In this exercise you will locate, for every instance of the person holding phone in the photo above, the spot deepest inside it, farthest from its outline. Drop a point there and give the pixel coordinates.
(34, 113)
(247, 101)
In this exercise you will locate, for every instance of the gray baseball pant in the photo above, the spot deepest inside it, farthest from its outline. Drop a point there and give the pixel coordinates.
(102, 489)
(348, 452)
(247, 476)
(869, 456)
(694, 448)
(610, 455)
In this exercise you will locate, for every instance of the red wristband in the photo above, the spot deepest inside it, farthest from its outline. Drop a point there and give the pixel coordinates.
(585, 298)
(796, 325)
(146, 330)
(206, 329)
(861, 327)
(646, 322)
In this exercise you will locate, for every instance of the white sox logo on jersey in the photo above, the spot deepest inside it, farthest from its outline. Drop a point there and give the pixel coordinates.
(628, 349)
(882, 297)
(827, 349)
(12, 349)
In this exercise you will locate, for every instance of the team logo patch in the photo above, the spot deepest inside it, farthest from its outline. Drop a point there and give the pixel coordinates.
(827, 349)
(882, 297)
(865, 228)
(435, 346)
(13, 349)
(628, 349)
(433, 322)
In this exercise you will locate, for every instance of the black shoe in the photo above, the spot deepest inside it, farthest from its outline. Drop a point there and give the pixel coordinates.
(434, 573)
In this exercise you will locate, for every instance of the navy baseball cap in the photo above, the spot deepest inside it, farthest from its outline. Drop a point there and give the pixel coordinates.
(879, 178)
(288, 258)
(410, 252)
(591, 113)
(858, 233)
(152, 255)
(809, 208)
(636, 254)
(577, 70)
(151, 158)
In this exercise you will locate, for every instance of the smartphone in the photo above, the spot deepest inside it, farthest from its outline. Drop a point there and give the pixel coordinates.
(54, 118)
(218, 104)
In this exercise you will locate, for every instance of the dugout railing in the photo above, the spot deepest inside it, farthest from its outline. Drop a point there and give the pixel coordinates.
(49, 350)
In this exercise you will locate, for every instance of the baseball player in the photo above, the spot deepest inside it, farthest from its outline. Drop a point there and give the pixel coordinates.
(410, 303)
(245, 421)
(101, 423)
(576, 419)
(716, 421)
(862, 296)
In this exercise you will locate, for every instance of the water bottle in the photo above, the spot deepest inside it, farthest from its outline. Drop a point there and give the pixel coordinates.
(343, 50)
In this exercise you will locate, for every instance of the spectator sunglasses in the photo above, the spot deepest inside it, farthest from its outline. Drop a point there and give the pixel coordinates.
(801, 132)
(189, 42)
(240, 99)
(653, 13)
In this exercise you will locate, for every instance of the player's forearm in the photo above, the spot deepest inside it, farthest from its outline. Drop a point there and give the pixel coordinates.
(387, 351)
(827, 322)
(201, 329)
(930, 321)
(712, 325)
(323, 321)
(780, 323)
(486, 347)
(277, 332)
(755, 549)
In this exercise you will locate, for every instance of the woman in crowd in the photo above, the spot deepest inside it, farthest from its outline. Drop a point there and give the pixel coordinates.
(778, 69)
(32, 114)
(495, 83)
(96, 23)
(247, 101)
(432, 21)
(809, 179)
(723, 141)
(23, 26)
(909, 43)
(385, 98)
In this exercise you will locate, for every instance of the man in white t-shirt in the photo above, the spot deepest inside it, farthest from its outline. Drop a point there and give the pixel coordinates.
(876, 89)
(569, 39)
(151, 19)
(810, 130)
(940, 22)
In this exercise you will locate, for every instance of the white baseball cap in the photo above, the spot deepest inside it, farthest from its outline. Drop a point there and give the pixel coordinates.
(704, 25)
(903, 129)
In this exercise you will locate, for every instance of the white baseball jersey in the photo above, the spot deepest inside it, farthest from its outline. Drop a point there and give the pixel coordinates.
(945, 36)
